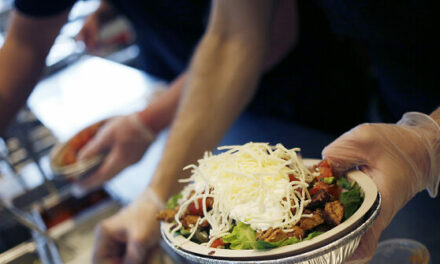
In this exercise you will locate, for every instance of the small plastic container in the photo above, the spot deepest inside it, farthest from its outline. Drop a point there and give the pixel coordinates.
(401, 251)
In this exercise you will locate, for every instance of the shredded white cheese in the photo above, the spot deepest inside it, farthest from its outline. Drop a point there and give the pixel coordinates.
(250, 184)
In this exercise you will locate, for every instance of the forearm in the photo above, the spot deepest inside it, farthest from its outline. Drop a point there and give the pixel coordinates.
(214, 97)
(160, 113)
(22, 59)
(283, 37)
(284, 32)
(21, 69)
(105, 12)
(436, 115)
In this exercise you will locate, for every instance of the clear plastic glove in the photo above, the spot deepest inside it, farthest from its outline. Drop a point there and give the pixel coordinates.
(402, 160)
(125, 139)
(131, 235)
(89, 33)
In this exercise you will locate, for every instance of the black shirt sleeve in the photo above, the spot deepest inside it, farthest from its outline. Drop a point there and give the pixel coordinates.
(43, 8)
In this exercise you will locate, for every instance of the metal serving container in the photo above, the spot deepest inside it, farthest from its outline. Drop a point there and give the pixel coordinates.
(78, 233)
(335, 252)
(75, 234)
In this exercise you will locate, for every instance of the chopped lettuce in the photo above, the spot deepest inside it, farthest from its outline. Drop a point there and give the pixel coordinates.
(351, 200)
(313, 234)
(241, 237)
(328, 180)
(172, 202)
(244, 237)
(184, 232)
(344, 183)
(290, 241)
(261, 244)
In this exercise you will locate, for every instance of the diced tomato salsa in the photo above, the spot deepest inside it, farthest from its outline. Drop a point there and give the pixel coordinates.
(217, 243)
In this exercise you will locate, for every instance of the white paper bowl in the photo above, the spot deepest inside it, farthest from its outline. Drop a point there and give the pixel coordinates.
(368, 188)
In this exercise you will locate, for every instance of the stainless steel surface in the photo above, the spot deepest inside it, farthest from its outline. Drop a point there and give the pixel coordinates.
(12, 233)
(47, 246)
(78, 233)
(24, 219)
(23, 253)
(69, 242)
(47, 251)
(335, 252)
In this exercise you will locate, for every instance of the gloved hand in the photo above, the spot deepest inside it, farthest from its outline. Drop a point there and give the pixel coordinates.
(402, 160)
(125, 139)
(131, 235)
(89, 33)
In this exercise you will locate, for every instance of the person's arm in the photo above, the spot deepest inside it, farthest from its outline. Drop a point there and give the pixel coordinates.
(283, 33)
(126, 138)
(436, 115)
(221, 81)
(22, 59)
(160, 113)
(89, 33)
(283, 37)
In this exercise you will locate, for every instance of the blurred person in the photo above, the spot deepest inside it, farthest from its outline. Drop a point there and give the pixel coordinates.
(89, 33)
(402, 158)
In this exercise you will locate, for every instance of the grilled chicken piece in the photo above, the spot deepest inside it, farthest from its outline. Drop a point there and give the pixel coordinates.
(297, 232)
(189, 220)
(272, 235)
(312, 222)
(205, 223)
(319, 199)
(209, 203)
(333, 213)
(167, 215)
(323, 228)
